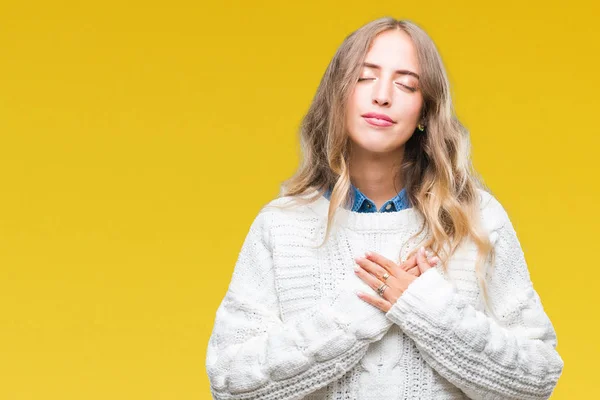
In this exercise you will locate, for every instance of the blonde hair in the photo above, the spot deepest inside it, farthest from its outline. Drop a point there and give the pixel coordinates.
(436, 169)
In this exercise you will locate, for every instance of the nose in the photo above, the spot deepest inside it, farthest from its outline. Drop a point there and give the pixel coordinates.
(381, 93)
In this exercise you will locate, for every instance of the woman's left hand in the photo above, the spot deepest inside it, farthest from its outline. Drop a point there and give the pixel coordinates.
(372, 271)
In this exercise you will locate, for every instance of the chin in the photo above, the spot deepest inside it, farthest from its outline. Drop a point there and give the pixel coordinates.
(377, 146)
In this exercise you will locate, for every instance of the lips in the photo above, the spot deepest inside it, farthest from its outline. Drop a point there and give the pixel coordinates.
(378, 122)
(378, 116)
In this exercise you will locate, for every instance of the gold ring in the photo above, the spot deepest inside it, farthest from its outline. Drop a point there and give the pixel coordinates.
(381, 289)
(385, 276)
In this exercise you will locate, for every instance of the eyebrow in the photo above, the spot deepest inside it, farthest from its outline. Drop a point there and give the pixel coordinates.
(398, 71)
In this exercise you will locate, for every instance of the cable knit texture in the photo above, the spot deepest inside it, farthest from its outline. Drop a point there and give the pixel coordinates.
(290, 325)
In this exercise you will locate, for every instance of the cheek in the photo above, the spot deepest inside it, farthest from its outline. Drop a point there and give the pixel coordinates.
(412, 109)
(352, 108)
(354, 100)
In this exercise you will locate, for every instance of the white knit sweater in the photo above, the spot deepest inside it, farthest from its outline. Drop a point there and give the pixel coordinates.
(291, 326)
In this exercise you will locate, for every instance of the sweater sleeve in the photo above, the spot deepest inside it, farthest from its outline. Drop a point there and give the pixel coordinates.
(511, 357)
(253, 354)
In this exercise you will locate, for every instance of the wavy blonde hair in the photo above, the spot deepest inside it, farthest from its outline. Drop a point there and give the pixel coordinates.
(436, 168)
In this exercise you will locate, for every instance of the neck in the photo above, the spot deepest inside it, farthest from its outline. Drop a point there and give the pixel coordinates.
(377, 174)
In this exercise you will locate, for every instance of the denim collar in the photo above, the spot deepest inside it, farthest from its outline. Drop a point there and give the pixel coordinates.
(363, 204)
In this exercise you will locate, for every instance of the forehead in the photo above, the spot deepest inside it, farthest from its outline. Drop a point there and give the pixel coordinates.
(393, 50)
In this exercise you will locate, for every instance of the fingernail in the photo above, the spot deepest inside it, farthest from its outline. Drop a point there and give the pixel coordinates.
(422, 250)
(368, 254)
(434, 260)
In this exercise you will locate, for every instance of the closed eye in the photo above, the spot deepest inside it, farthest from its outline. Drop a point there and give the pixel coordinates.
(412, 89)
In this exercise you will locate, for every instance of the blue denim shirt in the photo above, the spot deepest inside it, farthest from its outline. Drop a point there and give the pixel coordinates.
(363, 204)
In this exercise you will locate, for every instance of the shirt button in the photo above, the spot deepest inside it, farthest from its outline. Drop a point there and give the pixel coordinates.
(388, 206)
(368, 205)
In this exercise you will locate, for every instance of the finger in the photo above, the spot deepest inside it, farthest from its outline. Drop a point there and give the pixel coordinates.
(378, 302)
(411, 262)
(391, 292)
(422, 260)
(433, 261)
(386, 263)
(372, 267)
(414, 271)
(366, 276)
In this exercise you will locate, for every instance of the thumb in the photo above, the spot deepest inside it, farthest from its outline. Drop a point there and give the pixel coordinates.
(422, 260)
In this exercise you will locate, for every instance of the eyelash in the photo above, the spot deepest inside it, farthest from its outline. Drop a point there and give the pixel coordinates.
(412, 89)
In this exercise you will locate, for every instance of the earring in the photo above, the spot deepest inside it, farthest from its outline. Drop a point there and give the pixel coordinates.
(421, 127)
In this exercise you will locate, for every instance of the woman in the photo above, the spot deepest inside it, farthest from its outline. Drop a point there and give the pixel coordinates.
(334, 296)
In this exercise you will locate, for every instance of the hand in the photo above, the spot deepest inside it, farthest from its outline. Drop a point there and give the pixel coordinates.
(372, 269)
(410, 265)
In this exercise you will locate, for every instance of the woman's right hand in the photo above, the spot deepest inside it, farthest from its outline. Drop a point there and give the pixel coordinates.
(411, 266)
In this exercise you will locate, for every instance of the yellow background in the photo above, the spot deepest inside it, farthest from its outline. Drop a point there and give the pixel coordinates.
(140, 139)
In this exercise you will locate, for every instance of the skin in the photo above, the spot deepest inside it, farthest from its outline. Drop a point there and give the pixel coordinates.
(372, 267)
(378, 150)
(375, 151)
